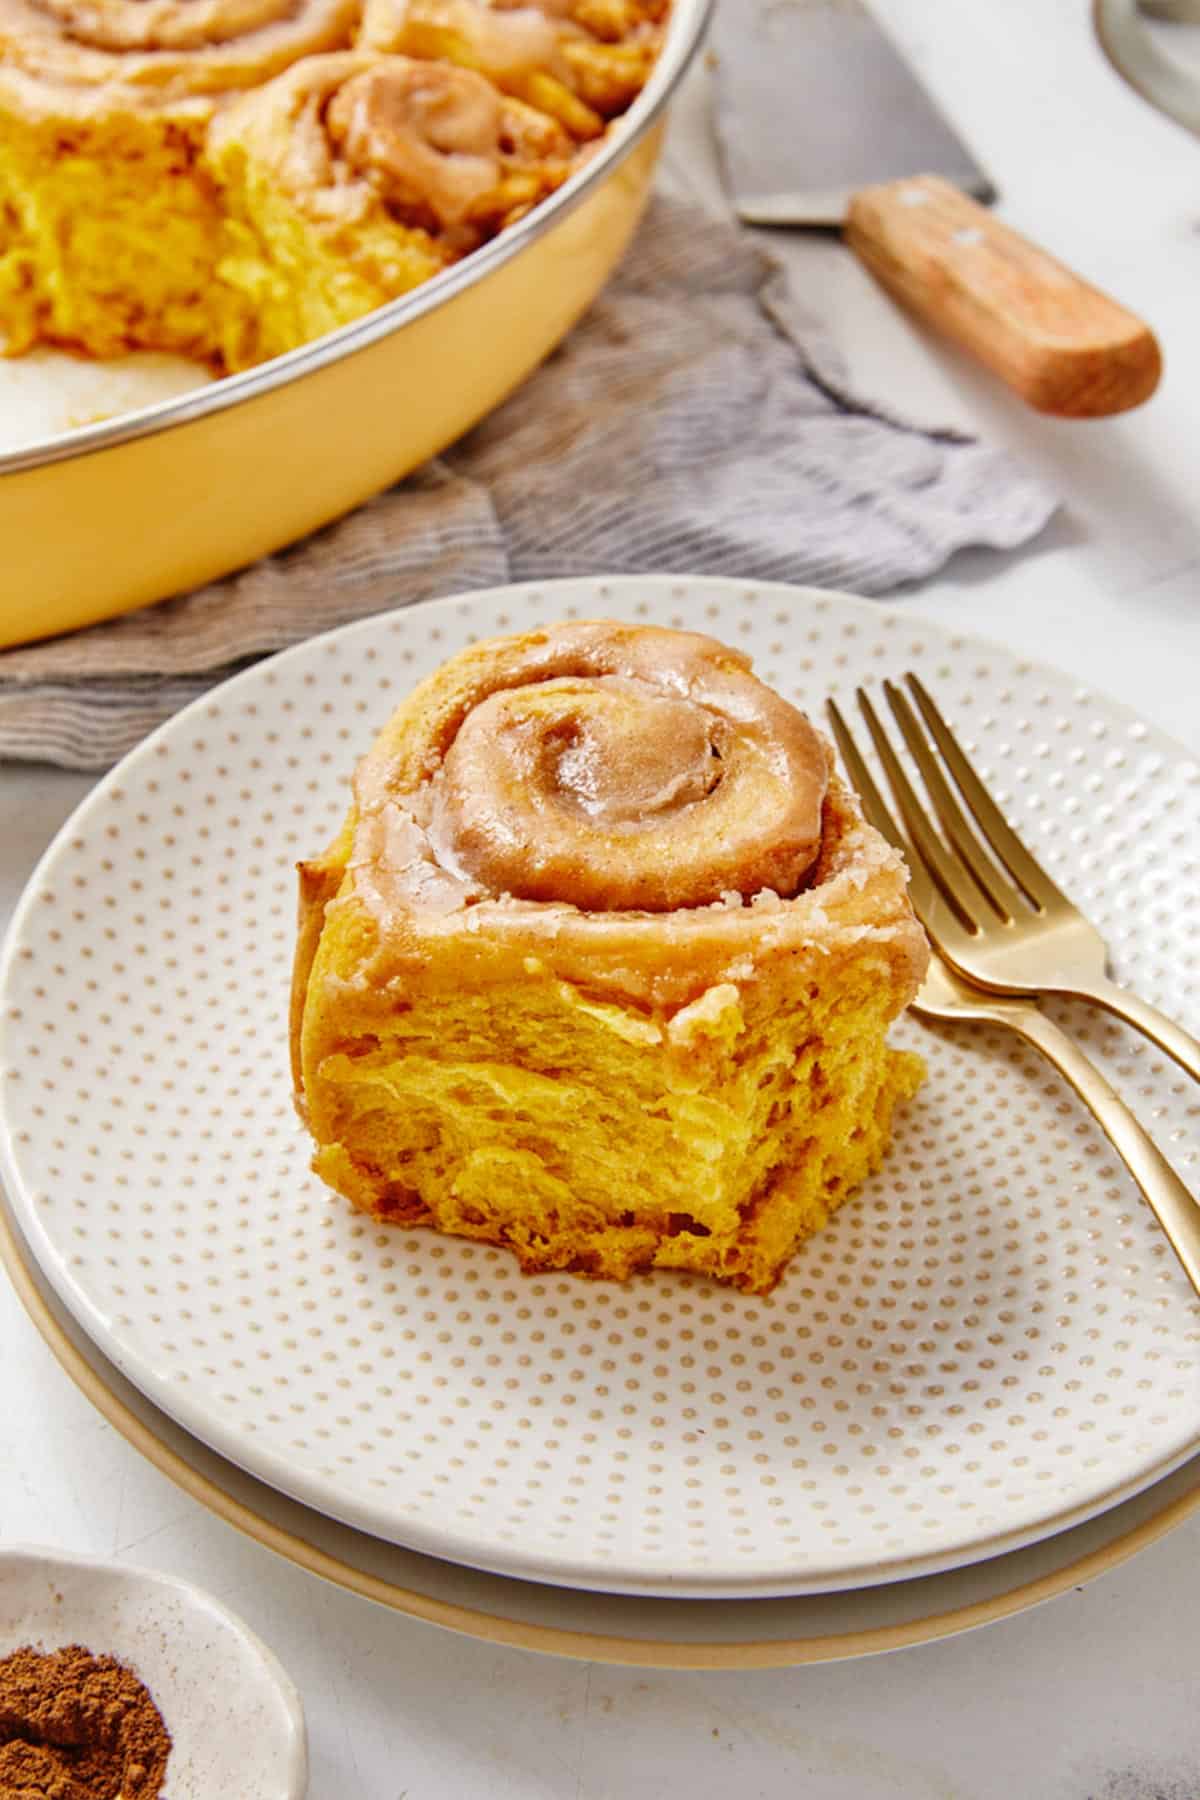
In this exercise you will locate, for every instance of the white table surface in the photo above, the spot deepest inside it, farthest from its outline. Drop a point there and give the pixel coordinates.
(1096, 1696)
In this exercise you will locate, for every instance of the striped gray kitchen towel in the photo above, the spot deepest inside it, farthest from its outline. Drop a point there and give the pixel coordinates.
(695, 421)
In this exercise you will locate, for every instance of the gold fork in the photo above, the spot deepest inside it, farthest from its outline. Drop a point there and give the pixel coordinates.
(947, 996)
(999, 918)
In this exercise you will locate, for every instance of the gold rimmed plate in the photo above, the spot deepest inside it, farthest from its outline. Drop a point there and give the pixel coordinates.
(989, 1344)
(664, 1634)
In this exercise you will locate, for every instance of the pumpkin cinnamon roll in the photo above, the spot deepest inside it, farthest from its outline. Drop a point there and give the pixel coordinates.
(581, 61)
(602, 963)
(350, 178)
(110, 226)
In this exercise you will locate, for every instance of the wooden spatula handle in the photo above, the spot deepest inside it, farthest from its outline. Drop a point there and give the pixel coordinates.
(1060, 343)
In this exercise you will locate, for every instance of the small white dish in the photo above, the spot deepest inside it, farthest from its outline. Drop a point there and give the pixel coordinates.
(234, 1715)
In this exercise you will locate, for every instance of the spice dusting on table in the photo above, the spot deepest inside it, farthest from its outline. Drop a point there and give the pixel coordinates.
(77, 1726)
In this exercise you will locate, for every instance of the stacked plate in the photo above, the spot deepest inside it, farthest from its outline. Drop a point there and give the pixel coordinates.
(990, 1347)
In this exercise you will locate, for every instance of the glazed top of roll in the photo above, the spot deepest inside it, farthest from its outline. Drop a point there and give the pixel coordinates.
(611, 768)
(168, 49)
(626, 806)
(584, 61)
(434, 146)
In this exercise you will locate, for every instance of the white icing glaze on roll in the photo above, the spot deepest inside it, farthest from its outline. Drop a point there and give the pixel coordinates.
(604, 767)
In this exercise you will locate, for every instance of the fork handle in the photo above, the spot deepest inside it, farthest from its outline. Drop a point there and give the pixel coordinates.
(1175, 1208)
(1162, 1031)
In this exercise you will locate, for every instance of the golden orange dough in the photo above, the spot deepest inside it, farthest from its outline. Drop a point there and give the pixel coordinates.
(229, 179)
(601, 966)
(111, 225)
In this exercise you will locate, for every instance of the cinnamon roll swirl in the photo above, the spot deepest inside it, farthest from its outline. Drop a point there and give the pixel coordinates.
(110, 225)
(350, 178)
(581, 61)
(602, 963)
(165, 49)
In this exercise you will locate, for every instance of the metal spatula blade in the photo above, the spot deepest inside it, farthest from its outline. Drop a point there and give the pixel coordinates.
(814, 103)
(821, 123)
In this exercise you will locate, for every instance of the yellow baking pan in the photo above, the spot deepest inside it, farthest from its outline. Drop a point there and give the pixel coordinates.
(109, 517)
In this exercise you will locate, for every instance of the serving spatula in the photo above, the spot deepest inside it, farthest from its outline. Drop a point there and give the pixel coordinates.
(822, 123)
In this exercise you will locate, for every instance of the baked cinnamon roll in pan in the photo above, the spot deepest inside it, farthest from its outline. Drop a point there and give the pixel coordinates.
(111, 225)
(204, 177)
(580, 61)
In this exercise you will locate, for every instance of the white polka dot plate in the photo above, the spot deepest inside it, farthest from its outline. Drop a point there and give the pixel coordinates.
(990, 1343)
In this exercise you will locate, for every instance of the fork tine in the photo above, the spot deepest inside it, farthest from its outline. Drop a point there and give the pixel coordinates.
(936, 914)
(862, 779)
(1007, 901)
(874, 805)
(1001, 837)
(943, 867)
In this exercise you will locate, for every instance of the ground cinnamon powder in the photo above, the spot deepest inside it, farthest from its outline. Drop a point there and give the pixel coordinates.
(74, 1726)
